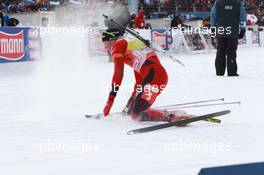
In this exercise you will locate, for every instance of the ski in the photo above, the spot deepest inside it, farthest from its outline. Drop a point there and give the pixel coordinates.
(171, 108)
(178, 123)
(99, 116)
(211, 120)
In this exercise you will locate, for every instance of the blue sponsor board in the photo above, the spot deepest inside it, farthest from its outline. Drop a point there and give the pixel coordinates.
(194, 15)
(242, 169)
(17, 44)
(255, 37)
(162, 38)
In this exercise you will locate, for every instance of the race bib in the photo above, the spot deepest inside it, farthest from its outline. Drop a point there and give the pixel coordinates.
(140, 57)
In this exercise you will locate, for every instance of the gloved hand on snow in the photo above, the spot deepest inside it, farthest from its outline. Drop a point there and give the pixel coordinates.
(108, 105)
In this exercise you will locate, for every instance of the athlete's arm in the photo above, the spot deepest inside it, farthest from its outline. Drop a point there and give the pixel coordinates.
(118, 51)
(118, 75)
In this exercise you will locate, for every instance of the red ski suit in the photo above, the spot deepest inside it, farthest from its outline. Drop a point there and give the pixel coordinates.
(151, 77)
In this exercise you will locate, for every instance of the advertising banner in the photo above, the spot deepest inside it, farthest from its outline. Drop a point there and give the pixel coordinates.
(162, 38)
(17, 45)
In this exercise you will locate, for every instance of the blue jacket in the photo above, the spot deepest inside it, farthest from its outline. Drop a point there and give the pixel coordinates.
(242, 18)
(228, 13)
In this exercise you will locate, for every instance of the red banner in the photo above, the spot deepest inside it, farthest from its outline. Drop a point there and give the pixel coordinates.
(12, 46)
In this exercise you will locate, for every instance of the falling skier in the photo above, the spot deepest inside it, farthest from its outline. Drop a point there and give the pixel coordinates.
(151, 78)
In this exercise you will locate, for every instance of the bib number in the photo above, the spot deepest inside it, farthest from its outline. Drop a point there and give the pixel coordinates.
(140, 58)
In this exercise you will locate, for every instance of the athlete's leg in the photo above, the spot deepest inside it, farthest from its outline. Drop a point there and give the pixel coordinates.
(154, 82)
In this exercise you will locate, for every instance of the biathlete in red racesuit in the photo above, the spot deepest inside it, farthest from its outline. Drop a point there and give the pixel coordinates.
(151, 78)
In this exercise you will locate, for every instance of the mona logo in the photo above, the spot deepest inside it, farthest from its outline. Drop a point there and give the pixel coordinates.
(12, 46)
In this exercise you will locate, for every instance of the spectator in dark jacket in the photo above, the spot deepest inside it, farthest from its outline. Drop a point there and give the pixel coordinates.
(227, 16)
(176, 21)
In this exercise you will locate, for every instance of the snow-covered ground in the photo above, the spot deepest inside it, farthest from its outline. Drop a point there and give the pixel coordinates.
(43, 130)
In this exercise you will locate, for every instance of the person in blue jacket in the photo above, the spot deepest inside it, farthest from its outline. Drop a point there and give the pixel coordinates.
(228, 19)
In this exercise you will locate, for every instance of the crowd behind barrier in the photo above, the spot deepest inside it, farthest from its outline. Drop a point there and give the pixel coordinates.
(189, 9)
(31, 47)
(174, 41)
(16, 6)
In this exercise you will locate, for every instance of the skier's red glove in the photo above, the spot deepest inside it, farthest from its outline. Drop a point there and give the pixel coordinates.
(108, 105)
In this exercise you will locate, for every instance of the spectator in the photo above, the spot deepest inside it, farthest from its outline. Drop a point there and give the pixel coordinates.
(225, 16)
(140, 20)
(2, 18)
(6, 18)
(176, 21)
(12, 22)
(148, 26)
(206, 22)
(131, 23)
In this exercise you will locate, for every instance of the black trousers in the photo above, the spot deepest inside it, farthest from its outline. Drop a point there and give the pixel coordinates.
(226, 56)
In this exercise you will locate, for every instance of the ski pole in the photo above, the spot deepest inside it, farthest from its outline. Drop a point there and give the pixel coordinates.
(135, 34)
(189, 103)
(175, 105)
(205, 105)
